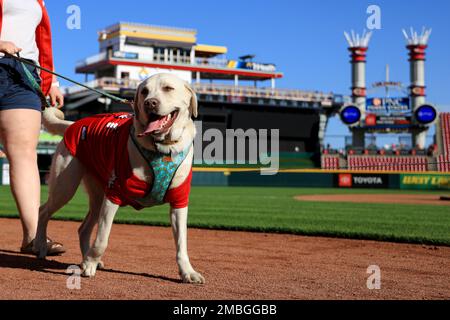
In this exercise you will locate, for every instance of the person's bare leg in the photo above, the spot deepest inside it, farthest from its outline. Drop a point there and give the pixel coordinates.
(19, 131)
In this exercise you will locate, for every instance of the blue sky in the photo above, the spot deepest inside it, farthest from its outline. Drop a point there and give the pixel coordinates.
(303, 38)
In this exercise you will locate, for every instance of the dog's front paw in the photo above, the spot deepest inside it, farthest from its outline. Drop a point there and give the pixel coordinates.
(89, 268)
(193, 277)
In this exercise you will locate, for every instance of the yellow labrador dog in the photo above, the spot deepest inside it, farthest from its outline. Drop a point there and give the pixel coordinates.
(149, 164)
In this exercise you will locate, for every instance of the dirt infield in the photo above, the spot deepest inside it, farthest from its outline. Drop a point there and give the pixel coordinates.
(377, 198)
(140, 264)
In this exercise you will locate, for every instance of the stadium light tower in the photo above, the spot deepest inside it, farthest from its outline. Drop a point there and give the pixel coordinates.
(358, 46)
(417, 44)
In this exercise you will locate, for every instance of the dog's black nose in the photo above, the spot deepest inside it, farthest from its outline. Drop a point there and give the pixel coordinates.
(152, 103)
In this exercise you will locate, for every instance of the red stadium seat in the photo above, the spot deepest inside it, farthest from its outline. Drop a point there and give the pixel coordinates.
(445, 128)
(388, 163)
(330, 162)
(443, 160)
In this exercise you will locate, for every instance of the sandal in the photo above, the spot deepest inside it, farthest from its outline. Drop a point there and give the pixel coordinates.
(53, 248)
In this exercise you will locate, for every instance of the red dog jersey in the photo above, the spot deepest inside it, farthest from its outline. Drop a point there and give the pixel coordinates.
(100, 143)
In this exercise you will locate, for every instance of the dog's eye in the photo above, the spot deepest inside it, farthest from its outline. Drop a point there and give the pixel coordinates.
(168, 88)
(144, 92)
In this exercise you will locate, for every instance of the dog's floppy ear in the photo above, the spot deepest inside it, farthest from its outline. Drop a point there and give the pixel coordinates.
(193, 106)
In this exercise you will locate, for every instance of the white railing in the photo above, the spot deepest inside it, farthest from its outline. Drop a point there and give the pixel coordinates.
(162, 58)
(113, 84)
(247, 91)
(216, 62)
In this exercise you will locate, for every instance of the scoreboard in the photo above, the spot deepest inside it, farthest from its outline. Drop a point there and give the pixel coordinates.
(388, 114)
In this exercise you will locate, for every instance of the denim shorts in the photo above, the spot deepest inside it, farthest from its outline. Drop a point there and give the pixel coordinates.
(15, 90)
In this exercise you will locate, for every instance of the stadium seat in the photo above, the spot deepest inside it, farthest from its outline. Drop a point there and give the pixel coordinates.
(443, 163)
(330, 162)
(388, 163)
(445, 128)
(443, 160)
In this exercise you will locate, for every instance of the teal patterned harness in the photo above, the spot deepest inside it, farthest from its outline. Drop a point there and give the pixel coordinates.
(163, 172)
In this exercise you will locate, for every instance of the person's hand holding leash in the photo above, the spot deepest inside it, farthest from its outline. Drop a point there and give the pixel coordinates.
(9, 47)
(56, 97)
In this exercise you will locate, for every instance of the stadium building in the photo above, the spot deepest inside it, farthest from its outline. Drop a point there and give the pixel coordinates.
(233, 93)
(242, 93)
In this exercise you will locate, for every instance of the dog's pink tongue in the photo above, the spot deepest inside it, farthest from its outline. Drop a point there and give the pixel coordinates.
(153, 126)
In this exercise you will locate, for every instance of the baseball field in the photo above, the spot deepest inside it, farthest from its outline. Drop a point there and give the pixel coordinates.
(251, 243)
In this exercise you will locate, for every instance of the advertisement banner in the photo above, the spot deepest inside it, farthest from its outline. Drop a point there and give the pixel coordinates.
(263, 67)
(388, 106)
(363, 180)
(377, 120)
(425, 181)
(125, 55)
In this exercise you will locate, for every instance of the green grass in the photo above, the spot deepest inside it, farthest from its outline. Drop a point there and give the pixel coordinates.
(275, 210)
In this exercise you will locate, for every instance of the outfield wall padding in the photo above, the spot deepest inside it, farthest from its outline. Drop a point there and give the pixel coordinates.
(209, 179)
(430, 181)
(341, 179)
(255, 179)
(281, 180)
